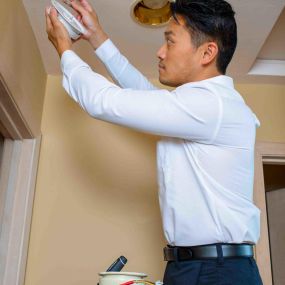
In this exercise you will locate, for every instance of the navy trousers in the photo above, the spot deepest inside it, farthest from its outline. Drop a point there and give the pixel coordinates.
(220, 271)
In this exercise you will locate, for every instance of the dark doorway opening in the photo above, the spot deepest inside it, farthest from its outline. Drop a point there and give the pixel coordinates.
(274, 180)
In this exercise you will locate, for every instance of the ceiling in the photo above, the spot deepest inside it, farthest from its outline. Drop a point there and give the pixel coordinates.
(260, 51)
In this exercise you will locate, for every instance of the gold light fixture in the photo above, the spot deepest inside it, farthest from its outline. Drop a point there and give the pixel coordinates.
(152, 13)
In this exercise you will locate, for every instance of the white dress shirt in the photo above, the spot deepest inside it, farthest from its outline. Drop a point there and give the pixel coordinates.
(205, 158)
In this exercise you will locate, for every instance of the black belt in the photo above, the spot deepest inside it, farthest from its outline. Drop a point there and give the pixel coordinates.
(172, 253)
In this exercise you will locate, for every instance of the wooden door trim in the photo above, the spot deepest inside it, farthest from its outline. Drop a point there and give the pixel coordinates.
(13, 125)
(264, 152)
(18, 171)
(17, 186)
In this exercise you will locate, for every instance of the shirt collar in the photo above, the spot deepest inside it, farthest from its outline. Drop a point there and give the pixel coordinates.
(220, 79)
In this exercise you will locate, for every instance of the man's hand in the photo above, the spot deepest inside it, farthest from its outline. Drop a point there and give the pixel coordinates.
(56, 31)
(88, 17)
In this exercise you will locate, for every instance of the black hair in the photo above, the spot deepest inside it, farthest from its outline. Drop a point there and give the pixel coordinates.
(210, 20)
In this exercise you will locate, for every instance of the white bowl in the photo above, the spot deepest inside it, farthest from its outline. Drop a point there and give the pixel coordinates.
(117, 278)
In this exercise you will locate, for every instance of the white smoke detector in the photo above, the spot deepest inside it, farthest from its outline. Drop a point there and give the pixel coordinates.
(73, 26)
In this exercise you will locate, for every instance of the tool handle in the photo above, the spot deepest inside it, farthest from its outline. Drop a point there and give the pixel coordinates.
(118, 264)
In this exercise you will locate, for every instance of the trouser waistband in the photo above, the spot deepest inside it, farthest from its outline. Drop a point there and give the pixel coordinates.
(176, 253)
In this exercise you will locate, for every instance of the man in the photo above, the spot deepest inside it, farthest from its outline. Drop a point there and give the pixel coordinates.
(206, 153)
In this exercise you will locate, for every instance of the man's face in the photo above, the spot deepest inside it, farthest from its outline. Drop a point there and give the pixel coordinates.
(179, 60)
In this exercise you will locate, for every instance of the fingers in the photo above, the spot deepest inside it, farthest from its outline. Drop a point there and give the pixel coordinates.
(85, 4)
(79, 17)
(48, 21)
(53, 16)
(78, 7)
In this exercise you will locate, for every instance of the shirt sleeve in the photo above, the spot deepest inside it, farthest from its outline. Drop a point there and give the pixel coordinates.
(122, 72)
(192, 115)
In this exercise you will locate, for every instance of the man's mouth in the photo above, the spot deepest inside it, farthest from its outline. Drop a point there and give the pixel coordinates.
(161, 66)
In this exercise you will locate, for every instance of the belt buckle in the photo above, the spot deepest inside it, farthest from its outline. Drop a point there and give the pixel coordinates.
(185, 253)
(190, 251)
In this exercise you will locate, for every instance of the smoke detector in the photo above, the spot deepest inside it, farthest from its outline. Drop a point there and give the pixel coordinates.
(151, 13)
(73, 26)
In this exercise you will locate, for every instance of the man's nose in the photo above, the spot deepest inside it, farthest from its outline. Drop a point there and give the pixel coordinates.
(161, 52)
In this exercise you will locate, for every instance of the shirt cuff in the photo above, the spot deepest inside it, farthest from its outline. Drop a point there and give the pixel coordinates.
(106, 50)
(70, 61)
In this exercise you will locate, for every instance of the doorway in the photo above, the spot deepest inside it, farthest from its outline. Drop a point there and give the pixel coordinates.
(269, 188)
(274, 181)
(19, 153)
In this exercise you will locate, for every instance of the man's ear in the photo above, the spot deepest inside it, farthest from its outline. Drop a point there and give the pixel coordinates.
(209, 52)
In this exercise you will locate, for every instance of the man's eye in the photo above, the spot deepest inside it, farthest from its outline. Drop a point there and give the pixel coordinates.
(169, 41)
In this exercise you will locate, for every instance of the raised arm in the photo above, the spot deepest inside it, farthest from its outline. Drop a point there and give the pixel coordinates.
(123, 73)
(192, 114)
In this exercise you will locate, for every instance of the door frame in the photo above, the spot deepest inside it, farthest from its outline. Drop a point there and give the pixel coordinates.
(17, 185)
(274, 153)
(18, 170)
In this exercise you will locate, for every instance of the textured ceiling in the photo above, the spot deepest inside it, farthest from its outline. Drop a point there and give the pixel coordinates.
(261, 26)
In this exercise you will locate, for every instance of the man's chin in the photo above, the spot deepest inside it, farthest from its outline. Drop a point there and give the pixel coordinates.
(167, 82)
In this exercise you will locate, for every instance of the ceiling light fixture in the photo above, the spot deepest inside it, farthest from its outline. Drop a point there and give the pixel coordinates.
(152, 13)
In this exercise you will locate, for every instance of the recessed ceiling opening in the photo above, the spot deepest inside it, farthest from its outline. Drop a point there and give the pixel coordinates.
(153, 13)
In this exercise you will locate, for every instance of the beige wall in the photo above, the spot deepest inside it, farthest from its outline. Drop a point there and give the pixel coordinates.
(20, 63)
(96, 195)
(268, 103)
(96, 198)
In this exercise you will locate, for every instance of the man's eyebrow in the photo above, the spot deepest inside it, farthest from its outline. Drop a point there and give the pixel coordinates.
(167, 33)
